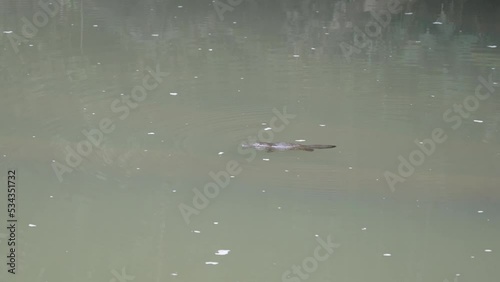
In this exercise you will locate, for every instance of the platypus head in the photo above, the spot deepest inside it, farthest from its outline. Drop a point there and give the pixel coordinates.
(246, 145)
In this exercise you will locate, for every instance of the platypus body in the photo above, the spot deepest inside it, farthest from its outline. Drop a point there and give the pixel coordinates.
(283, 146)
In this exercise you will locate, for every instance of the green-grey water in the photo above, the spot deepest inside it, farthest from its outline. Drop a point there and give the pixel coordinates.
(123, 122)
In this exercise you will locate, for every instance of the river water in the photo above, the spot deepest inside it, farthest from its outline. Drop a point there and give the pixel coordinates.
(123, 121)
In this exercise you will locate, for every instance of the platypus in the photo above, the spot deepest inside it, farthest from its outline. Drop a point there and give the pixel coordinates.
(283, 146)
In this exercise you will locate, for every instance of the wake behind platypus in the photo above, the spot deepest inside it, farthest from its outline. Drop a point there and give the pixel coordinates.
(283, 146)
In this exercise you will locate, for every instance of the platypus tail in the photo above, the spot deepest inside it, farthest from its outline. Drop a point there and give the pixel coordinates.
(311, 148)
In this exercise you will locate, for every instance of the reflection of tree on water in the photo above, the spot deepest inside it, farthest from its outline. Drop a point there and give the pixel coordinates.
(313, 28)
(322, 25)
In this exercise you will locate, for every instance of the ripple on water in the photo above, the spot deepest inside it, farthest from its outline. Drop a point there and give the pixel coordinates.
(217, 130)
(289, 169)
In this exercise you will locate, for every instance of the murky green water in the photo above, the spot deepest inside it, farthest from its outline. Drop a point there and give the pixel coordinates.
(123, 121)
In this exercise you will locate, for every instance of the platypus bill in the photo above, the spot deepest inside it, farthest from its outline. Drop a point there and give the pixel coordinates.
(283, 146)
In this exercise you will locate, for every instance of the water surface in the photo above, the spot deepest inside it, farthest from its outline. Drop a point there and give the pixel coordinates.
(117, 215)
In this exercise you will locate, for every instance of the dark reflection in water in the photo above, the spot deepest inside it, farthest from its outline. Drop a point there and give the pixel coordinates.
(355, 29)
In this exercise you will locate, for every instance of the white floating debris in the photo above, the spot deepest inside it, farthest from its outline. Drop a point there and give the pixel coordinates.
(408, 13)
(322, 125)
(232, 176)
(296, 56)
(197, 231)
(364, 228)
(491, 46)
(488, 251)
(478, 121)
(265, 160)
(216, 222)
(95, 25)
(267, 128)
(300, 140)
(210, 50)
(387, 255)
(174, 274)
(222, 252)
(180, 7)
(437, 22)
(155, 35)
(263, 191)
(173, 191)
(211, 263)
(173, 94)
(221, 153)
(151, 133)
(7, 31)
(350, 167)
(32, 225)
(480, 211)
